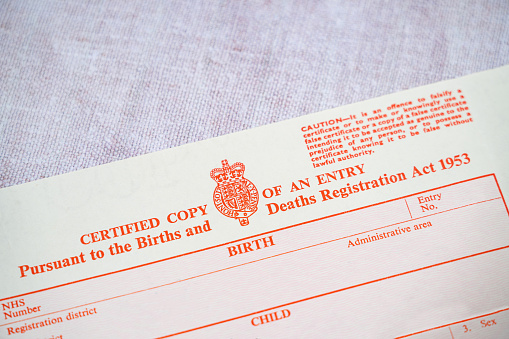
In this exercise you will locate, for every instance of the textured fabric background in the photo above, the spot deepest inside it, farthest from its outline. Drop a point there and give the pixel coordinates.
(84, 83)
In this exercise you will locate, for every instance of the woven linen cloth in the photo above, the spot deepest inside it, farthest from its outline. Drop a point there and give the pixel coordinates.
(84, 83)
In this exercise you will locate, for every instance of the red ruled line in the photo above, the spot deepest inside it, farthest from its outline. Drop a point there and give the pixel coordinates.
(452, 335)
(454, 323)
(408, 208)
(501, 195)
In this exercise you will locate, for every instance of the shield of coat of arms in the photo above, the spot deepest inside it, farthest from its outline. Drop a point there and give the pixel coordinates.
(234, 196)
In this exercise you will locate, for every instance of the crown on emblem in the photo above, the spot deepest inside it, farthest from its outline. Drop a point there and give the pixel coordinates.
(227, 173)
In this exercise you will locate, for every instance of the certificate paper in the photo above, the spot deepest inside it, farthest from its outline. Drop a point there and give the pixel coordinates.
(381, 219)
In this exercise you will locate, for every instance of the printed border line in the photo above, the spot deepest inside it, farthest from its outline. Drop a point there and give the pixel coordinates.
(450, 331)
(501, 195)
(246, 263)
(408, 208)
(339, 290)
(454, 323)
(254, 236)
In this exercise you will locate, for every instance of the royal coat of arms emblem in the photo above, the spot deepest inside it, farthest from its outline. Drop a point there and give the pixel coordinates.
(234, 196)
